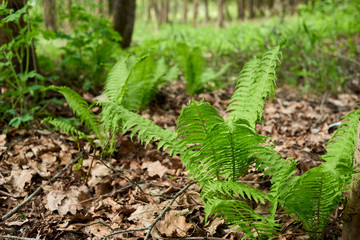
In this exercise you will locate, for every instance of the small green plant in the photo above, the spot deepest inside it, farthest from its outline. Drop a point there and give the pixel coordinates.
(15, 68)
(192, 63)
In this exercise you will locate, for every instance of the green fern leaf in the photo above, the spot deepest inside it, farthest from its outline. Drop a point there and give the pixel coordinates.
(65, 127)
(195, 122)
(229, 189)
(227, 152)
(117, 80)
(80, 108)
(255, 83)
(239, 213)
(115, 114)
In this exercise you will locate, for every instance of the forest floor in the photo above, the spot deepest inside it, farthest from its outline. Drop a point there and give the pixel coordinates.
(70, 207)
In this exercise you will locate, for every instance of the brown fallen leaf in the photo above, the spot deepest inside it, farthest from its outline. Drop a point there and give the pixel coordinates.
(174, 224)
(155, 168)
(65, 202)
(21, 177)
(98, 230)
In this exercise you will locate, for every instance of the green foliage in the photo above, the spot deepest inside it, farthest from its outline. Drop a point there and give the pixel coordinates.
(20, 83)
(80, 108)
(134, 82)
(192, 63)
(315, 194)
(65, 127)
(256, 81)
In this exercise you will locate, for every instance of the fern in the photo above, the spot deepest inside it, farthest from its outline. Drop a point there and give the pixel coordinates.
(239, 213)
(146, 130)
(255, 83)
(65, 127)
(80, 108)
(313, 196)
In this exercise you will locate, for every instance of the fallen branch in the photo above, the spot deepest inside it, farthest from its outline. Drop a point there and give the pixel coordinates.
(20, 238)
(37, 191)
(162, 214)
(93, 223)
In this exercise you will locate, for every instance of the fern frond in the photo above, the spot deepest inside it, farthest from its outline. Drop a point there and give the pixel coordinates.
(341, 147)
(239, 213)
(192, 63)
(226, 153)
(315, 194)
(80, 108)
(256, 82)
(115, 114)
(65, 127)
(195, 122)
(313, 197)
(141, 84)
(117, 80)
(229, 189)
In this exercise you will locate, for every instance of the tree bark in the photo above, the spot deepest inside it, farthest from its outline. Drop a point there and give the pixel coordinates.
(165, 11)
(241, 9)
(110, 7)
(196, 9)
(50, 14)
(220, 13)
(185, 9)
(207, 17)
(351, 228)
(251, 8)
(124, 18)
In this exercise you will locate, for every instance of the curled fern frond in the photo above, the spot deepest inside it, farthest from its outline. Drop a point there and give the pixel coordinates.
(195, 122)
(80, 108)
(65, 127)
(239, 213)
(256, 82)
(115, 114)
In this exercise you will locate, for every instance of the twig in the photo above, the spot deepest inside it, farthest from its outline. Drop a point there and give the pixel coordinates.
(151, 226)
(98, 222)
(26, 200)
(15, 237)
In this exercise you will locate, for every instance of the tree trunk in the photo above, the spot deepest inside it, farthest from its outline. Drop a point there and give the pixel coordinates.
(165, 11)
(241, 9)
(220, 13)
(185, 12)
(124, 18)
(207, 17)
(110, 7)
(351, 228)
(196, 9)
(251, 8)
(271, 7)
(157, 12)
(175, 10)
(5, 37)
(50, 14)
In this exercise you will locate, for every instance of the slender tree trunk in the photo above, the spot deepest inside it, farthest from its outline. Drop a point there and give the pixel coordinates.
(259, 6)
(241, 9)
(148, 12)
(196, 9)
(207, 17)
(158, 14)
(220, 13)
(50, 14)
(111, 7)
(271, 7)
(351, 228)
(124, 18)
(185, 10)
(165, 11)
(251, 8)
(226, 9)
